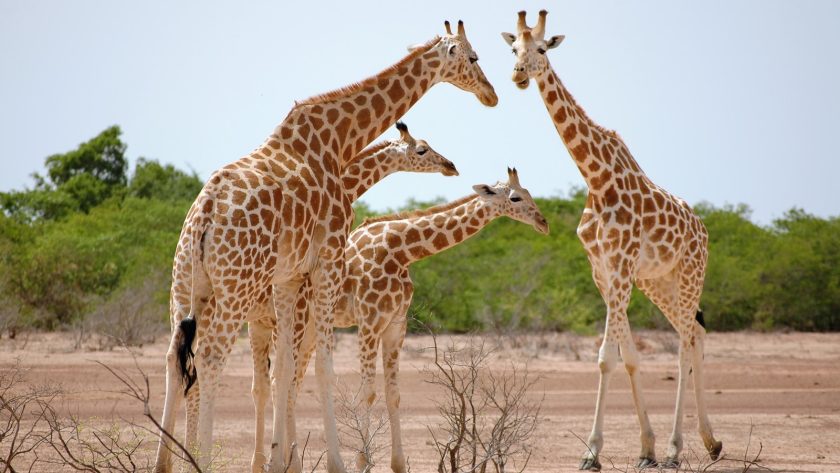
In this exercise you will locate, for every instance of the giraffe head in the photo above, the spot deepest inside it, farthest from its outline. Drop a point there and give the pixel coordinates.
(511, 199)
(530, 46)
(418, 156)
(460, 66)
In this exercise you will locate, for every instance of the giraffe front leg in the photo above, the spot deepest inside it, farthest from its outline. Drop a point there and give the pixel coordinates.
(328, 280)
(392, 340)
(647, 457)
(283, 457)
(615, 287)
(607, 359)
(260, 333)
(368, 345)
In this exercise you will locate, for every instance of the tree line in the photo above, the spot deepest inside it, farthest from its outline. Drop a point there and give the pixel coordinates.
(91, 238)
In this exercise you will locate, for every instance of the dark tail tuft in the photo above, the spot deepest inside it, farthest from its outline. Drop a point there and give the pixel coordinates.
(186, 357)
(699, 318)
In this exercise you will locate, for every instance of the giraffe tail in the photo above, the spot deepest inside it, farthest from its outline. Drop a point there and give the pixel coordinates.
(187, 327)
(186, 357)
(700, 319)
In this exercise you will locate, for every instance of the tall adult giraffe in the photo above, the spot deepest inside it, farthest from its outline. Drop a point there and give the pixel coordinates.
(362, 172)
(633, 231)
(277, 216)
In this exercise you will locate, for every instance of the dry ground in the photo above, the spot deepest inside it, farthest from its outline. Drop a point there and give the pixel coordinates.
(787, 386)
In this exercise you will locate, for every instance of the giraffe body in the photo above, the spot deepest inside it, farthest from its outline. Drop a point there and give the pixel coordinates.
(633, 231)
(276, 217)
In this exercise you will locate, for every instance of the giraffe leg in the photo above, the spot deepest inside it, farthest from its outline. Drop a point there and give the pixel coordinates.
(675, 443)
(647, 457)
(392, 340)
(713, 446)
(307, 349)
(204, 305)
(617, 287)
(283, 458)
(191, 434)
(210, 362)
(368, 345)
(299, 332)
(259, 333)
(171, 403)
(328, 280)
(676, 295)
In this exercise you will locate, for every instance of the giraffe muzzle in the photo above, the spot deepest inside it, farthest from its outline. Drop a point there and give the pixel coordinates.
(489, 99)
(449, 169)
(541, 225)
(520, 79)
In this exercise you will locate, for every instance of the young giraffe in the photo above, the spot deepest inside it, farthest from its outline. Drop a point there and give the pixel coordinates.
(377, 291)
(632, 230)
(277, 216)
(365, 170)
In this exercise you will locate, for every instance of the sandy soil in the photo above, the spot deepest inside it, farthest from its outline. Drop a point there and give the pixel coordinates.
(786, 387)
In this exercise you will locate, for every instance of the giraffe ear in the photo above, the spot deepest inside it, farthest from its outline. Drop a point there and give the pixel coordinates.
(554, 41)
(404, 134)
(484, 190)
(513, 177)
(509, 38)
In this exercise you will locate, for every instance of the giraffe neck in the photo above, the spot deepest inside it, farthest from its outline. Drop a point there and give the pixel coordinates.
(341, 123)
(370, 167)
(600, 155)
(427, 235)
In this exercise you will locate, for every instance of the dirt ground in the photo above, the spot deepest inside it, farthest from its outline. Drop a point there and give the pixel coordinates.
(785, 387)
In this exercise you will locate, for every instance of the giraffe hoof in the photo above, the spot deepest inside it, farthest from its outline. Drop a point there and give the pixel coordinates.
(670, 463)
(714, 452)
(646, 463)
(590, 463)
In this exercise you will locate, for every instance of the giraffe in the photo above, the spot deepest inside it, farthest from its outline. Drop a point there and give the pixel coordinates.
(361, 173)
(276, 217)
(632, 231)
(377, 291)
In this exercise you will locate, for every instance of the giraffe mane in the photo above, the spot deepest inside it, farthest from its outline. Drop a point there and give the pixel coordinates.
(356, 87)
(410, 214)
(592, 123)
(370, 150)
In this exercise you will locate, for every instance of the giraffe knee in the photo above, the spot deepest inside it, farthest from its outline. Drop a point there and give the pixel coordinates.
(606, 365)
(607, 357)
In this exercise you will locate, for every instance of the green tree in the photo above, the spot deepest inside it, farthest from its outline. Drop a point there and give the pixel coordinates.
(154, 180)
(76, 181)
(801, 281)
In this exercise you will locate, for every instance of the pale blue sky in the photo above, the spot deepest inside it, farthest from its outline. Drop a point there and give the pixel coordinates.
(724, 101)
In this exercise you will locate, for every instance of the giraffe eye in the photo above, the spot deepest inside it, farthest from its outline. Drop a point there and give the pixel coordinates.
(541, 50)
(473, 59)
(513, 50)
(516, 199)
(422, 151)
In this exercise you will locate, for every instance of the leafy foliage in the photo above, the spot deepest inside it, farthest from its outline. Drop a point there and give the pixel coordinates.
(76, 181)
